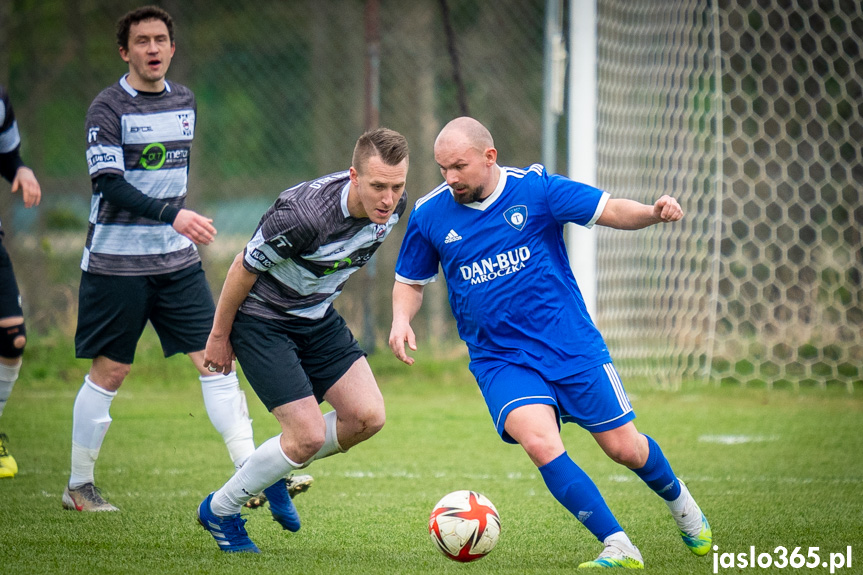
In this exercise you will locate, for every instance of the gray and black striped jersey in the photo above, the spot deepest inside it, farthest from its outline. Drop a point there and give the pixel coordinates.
(146, 138)
(306, 247)
(10, 138)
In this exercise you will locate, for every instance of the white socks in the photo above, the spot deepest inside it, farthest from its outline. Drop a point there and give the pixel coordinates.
(686, 512)
(266, 465)
(90, 421)
(331, 440)
(677, 506)
(622, 542)
(224, 400)
(229, 414)
(8, 377)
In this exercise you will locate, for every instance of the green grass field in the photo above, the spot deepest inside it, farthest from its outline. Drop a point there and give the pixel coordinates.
(769, 469)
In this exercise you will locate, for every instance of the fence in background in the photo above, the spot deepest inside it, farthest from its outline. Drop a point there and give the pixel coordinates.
(749, 112)
(280, 94)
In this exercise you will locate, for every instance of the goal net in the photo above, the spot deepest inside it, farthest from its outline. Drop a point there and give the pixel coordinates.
(750, 114)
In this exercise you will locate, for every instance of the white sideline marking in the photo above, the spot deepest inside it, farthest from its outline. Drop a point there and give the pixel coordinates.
(531, 491)
(771, 479)
(622, 478)
(737, 439)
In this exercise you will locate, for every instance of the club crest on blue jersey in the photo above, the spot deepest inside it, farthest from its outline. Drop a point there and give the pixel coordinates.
(516, 216)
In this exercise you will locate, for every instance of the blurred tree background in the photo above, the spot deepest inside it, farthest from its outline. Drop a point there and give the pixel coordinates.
(749, 112)
(281, 93)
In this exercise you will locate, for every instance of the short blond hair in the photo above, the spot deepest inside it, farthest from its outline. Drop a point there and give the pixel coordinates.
(388, 144)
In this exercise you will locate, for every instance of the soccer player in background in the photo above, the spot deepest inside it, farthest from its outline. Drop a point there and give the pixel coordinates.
(497, 233)
(140, 259)
(275, 313)
(12, 330)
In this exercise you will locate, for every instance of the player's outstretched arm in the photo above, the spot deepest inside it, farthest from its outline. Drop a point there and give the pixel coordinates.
(623, 214)
(219, 353)
(407, 300)
(194, 226)
(26, 181)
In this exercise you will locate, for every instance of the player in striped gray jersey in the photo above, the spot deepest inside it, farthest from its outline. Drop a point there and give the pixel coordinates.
(275, 313)
(138, 148)
(12, 330)
(140, 262)
(306, 247)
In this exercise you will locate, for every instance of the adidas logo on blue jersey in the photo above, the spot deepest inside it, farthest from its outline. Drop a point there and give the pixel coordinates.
(452, 237)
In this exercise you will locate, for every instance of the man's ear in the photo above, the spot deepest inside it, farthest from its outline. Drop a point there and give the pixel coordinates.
(491, 156)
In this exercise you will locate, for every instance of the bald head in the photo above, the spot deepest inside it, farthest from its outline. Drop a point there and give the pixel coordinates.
(465, 131)
(465, 152)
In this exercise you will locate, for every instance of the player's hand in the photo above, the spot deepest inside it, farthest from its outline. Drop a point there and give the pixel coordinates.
(219, 354)
(400, 335)
(195, 227)
(26, 180)
(666, 209)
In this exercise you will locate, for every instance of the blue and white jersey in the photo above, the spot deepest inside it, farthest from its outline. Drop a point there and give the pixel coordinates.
(510, 286)
(146, 138)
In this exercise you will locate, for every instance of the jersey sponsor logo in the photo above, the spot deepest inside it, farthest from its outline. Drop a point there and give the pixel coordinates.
(357, 260)
(173, 155)
(185, 124)
(153, 156)
(102, 158)
(140, 129)
(451, 237)
(92, 134)
(341, 264)
(488, 269)
(321, 182)
(280, 241)
(516, 216)
(259, 256)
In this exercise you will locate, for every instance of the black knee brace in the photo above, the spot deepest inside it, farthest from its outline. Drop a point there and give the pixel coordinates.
(8, 335)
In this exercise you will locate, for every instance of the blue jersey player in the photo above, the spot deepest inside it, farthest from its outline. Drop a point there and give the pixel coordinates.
(497, 234)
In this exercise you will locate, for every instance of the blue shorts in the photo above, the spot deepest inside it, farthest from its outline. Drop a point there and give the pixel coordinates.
(594, 399)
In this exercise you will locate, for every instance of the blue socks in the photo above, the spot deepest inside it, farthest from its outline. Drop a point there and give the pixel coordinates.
(577, 492)
(657, 473)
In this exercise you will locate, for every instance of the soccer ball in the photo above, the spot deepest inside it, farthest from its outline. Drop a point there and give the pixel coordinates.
(464, 526)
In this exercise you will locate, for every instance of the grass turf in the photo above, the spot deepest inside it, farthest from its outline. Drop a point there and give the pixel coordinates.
(768, 468)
